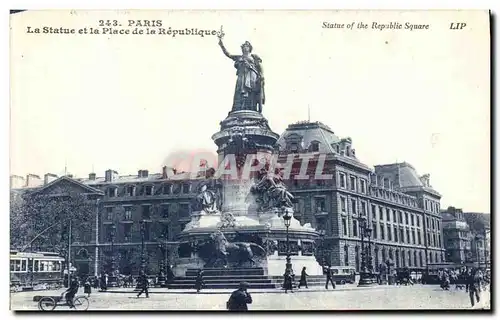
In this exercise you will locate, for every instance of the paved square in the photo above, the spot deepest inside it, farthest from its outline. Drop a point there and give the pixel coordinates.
(344, 298)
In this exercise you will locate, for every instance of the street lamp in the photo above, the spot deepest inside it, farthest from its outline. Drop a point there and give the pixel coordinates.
(112, 278)
(366, 278)
(287, 219)
(161, 274)
(478, 238)
(143, 257)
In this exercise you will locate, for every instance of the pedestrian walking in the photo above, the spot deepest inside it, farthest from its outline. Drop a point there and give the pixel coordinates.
(199, 281)
(104, 282)
(87, 288)
(288, 280)
(473, 287)
(239, 299)
(329, 277)
(144, 284)
(303, 278)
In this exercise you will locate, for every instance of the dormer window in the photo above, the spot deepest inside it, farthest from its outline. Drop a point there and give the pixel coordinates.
(111, 192)
(148, 190)
(186, 188)
(167, 189)
(314, 146)
(294, 147)
(130, 191)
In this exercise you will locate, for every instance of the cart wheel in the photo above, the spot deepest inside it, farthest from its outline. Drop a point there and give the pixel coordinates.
(46, 304)
(342, 281)
(81, 303)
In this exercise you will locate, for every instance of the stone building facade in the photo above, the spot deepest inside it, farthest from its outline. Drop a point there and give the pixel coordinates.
(402, 208)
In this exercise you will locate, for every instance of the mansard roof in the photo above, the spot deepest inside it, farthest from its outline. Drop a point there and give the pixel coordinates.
(308, 132)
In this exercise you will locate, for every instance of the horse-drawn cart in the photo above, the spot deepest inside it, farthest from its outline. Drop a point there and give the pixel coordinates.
(49, 303)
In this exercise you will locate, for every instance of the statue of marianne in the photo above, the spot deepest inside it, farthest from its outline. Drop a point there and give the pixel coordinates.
(249, 91)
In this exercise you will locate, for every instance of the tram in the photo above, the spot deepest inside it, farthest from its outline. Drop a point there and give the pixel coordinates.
(30, 269)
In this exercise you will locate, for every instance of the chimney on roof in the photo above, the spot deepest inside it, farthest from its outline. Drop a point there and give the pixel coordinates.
(164, 174)
(49, 177)
(143, 173)
(92, 176)
(16, 182)
(425, 179)
(110, 175)
(32, 180)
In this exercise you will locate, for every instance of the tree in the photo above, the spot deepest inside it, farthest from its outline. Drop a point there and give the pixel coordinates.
(477, 222)
(43, 221)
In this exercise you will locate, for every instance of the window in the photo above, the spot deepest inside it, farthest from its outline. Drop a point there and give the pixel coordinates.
(406, 218)
(355, 228)
(437, 225)
(314, 146)
(186, 188)
(413, 234)
(320, 204)
(374, 227)
(408, 238)
(382, 212)
(146, 211)
(346, 255)
(353, 206)
(111, 192)
(418, 221)
(412, 220)
(131, 191)
(374, 212)
(427, 222)
(400, 213)
(128, 213)
(439, 240)
(344, 227)
(167, 189)
(382, 231)
(184, 210)
(395, 234)
(388, 214)
(148, 190)
(394, 216)
(342, 180)
(401, 234)
(343, 204)
(127, 232)
(109, 213)
(352, 181)
(389, 233)
(164, 211)
(363, 208)
(362, 184)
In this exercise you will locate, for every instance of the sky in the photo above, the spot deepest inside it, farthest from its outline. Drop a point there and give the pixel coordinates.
(129, 102)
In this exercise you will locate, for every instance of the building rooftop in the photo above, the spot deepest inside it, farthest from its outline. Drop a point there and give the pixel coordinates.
(306, 132)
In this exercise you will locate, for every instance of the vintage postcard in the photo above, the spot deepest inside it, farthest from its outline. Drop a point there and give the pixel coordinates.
(250, 160)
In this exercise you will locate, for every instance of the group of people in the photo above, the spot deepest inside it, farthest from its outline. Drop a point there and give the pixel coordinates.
(472, 279)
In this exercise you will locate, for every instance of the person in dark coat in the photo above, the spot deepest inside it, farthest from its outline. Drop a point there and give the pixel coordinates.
(288, 280)
(144, 283)
(199, 281)
(303, 278)
(329, 277)
(87, 288)
(104, 282)
(239, 299)
(71, 292)
(473, 285)
(170, 274)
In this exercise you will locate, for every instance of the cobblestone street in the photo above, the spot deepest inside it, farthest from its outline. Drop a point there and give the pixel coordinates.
(344, 298)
